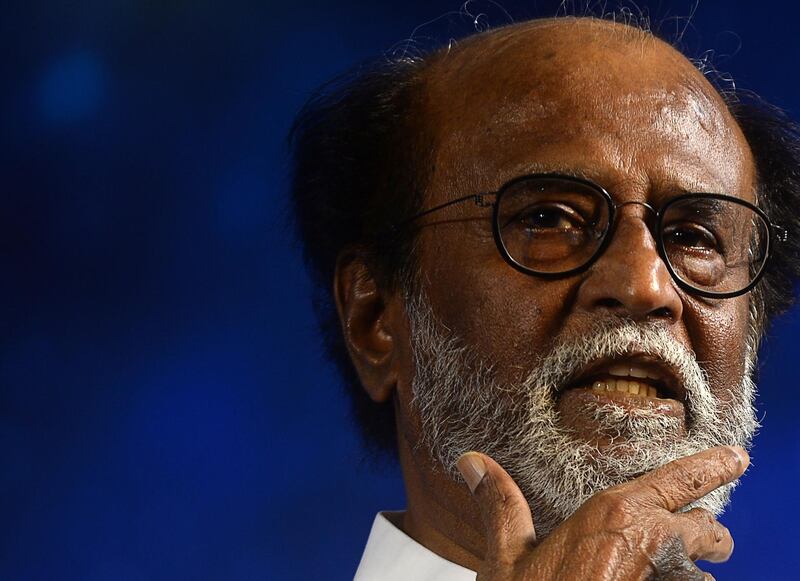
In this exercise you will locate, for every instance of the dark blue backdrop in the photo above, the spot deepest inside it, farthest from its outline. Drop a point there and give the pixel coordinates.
(165, 412)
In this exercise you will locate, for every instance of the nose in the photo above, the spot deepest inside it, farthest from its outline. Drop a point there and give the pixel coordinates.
(630, 279)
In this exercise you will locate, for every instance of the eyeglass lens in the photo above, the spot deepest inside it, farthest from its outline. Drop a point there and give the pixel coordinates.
(551, 225)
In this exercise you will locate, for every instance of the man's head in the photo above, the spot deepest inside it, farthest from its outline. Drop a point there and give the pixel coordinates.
(471, 353)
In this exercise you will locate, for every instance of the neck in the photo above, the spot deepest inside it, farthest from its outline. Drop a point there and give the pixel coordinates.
(441, 513)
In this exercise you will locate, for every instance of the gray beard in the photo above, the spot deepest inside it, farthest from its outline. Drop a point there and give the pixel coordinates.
(462, 407)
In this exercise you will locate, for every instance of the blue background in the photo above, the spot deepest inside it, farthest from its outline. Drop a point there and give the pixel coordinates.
(165, 410)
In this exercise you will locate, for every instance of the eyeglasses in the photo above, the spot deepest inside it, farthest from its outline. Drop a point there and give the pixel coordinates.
(553, 226)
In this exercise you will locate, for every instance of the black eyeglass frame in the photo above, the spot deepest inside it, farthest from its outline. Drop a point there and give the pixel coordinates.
(774, 232)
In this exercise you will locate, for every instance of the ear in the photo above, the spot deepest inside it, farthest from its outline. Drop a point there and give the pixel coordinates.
(369, 324)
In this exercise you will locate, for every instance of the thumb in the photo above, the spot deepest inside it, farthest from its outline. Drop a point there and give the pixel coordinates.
(507, 520)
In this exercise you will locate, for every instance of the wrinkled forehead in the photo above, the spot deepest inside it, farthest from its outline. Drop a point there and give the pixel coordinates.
(578, 85)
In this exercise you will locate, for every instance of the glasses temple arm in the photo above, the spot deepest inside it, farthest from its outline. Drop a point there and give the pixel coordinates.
(478, 198)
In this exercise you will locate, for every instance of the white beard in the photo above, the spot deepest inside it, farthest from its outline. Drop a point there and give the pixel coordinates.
(462, 407)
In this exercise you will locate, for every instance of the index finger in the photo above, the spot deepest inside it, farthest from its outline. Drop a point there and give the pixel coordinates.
(676, 484)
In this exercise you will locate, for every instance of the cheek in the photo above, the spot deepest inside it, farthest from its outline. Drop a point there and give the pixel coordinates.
(718, 336)
(504, 315)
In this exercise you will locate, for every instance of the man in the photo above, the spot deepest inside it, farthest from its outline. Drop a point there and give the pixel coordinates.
(552, 251)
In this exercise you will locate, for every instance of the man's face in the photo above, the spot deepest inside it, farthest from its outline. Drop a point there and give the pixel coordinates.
(633, 116)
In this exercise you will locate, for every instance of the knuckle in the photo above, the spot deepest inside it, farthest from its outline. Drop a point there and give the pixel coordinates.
(702, 513)
(707, 521)
(721, 532)
(662, 492)
(702, 517)
(611, 500)
(706, 538)
(697, 478)
(617, 509)
(693, 478)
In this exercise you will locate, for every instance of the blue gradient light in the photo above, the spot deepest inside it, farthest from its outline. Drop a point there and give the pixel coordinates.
(71, 87)
(165, 409)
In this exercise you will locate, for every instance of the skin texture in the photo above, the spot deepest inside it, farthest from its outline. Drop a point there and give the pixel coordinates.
(625, 532)
(600, 101)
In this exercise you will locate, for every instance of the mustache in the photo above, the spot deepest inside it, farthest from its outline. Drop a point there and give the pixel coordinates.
(609, 338)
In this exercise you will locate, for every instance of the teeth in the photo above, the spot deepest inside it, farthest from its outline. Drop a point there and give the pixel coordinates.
(631, 371)
(625, 386)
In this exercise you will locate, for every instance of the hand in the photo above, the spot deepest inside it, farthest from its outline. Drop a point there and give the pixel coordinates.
(631, 531)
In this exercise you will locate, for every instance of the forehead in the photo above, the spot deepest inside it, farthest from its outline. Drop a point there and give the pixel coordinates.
(590, 97)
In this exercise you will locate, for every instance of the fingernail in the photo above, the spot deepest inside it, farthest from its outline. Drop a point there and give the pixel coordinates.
(472, 468)
(741, 453)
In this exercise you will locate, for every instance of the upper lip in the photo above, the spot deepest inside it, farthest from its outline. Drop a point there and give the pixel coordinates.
(666, 377)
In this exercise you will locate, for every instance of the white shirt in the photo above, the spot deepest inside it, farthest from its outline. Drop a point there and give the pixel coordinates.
(391, 555)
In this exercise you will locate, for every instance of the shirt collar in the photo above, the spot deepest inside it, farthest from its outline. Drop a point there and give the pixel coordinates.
(391, 555)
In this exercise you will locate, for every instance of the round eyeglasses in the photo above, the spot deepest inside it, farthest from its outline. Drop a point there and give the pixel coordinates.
(553, 226)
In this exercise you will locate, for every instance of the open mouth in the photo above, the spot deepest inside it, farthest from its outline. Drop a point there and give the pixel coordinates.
(632, 375)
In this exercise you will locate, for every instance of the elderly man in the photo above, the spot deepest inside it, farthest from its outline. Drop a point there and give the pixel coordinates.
(545, 258)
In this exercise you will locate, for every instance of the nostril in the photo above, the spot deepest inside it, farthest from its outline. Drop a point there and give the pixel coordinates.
(613, 304)
(663, 313)
(609, 303)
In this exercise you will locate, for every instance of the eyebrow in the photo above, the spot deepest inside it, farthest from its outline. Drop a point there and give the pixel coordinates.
(672, 189)
(709, 204)
(567, 170)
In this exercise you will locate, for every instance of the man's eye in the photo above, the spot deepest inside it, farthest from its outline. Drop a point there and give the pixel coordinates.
(690, 236)
(549, 218)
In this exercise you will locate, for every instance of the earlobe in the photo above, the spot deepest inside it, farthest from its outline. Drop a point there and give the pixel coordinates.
(367, 325)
